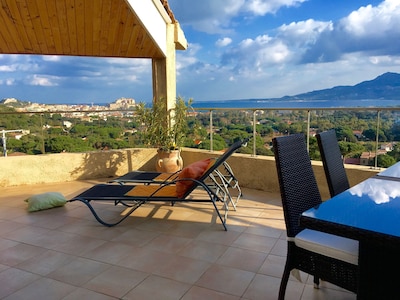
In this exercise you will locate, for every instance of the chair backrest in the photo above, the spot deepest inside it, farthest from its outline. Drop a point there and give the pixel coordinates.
(332, 160)
(218, 162)
(298, 186)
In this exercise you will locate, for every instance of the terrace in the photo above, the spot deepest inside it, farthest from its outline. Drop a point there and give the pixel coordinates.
(164, 252)
(160, 252)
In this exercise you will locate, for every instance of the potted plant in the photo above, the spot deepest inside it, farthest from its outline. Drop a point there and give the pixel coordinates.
(164, 129)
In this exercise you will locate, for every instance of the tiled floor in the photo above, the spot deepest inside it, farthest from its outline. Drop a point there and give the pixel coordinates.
(160, 252)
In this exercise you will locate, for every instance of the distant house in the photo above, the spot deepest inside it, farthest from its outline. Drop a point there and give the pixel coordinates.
(387, 147)
(368, 158)
(352, 161)
(358, 134)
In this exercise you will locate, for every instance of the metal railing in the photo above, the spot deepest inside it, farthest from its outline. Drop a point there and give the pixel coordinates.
(254, 111)
(378, 111)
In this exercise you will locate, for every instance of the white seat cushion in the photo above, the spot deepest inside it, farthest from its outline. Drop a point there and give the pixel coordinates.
(328, 244)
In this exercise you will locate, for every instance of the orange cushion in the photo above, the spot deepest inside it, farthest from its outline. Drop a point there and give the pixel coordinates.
(195, 171)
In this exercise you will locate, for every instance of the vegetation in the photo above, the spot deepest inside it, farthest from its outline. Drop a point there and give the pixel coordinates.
(162, 128)
(54, 133)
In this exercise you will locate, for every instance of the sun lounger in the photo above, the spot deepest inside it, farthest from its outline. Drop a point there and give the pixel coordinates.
(178, 190)
(222, 180)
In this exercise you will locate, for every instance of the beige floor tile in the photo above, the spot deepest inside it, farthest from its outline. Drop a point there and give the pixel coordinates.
(46, 262)
(182, 269)
(12, 280)
(19, 253)
(109, 252)
(43, 288)
(116, 281)
(81, 293)
(136, 237)
(168, 243)
(78, 271)
(310, 293)
(145, 260)
(8, 226)
(78, 245)
(219, 237)
(6, 243)
(200, 293)
(263, 287)
(203, 250)
(155, 287)
(26, 234)
(255, 242)
(242, 259)
(273, 266)
(225, 279)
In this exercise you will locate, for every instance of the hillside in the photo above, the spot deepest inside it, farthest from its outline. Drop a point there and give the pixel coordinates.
(385, 86)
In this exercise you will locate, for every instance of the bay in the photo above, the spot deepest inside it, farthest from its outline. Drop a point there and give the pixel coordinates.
(290, 103)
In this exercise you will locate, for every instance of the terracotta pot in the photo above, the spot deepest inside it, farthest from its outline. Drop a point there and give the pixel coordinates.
(169, 161)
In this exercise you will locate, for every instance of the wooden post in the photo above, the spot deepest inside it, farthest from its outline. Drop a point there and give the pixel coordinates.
(164, 72)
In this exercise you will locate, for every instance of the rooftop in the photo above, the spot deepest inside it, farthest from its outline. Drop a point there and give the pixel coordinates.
(161, 252)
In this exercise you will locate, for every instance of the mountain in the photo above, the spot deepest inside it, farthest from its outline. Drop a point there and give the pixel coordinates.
(385, 86)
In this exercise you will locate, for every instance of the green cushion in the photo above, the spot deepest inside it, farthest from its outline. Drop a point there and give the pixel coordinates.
(45, 201)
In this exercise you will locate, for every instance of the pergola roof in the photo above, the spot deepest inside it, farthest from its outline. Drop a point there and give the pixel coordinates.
(102, 28)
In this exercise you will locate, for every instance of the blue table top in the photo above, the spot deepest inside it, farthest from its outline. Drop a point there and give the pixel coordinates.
(393, 171)
(372, 205)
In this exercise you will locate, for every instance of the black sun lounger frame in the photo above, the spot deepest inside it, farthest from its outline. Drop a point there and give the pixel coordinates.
(117, 192)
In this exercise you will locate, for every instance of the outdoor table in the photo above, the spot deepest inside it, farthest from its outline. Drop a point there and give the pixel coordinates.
(370, 213)
(391, 173)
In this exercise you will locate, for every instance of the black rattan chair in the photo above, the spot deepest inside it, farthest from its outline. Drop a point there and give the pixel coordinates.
(310, 251)
(332, 160)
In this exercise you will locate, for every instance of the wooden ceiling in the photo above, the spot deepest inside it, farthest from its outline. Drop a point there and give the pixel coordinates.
(106, 28)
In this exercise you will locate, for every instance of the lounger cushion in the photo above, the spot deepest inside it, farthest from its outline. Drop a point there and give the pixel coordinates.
(195, 171)
(45, 201)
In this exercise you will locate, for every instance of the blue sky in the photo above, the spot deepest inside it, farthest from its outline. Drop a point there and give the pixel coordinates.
(238, 49)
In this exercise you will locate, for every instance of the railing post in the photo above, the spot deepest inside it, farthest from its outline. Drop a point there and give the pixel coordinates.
(308, 130)
(254, 132)
(211, 131)
(377, 138)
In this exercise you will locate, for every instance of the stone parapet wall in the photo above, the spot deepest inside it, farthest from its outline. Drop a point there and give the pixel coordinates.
(257, 172)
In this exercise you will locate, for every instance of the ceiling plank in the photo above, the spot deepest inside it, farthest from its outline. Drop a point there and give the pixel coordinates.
(80, 25)
(48, 36)
(63, 26)
(38, 26)
(107, 28)
(10, 27)
(54, 25)
(71, 26)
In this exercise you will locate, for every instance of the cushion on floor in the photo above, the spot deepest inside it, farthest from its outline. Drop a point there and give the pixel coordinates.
(45, 201)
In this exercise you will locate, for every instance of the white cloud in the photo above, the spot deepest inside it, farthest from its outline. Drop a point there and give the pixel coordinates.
(43, 80)
(304, 32)
(9, 68)
(54, 58)
(215, 16)
(256, 55)
(10, 82)
(369, 20)
(223, 42)
(263, 7)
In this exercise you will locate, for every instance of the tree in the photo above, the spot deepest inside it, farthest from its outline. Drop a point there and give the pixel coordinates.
(385, 161)
(349, 149)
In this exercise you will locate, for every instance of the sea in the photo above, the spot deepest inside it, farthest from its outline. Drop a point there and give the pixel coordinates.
(290, 103)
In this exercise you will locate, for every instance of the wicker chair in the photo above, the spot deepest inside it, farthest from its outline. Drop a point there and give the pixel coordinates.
(327, 257)
(332, 160)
